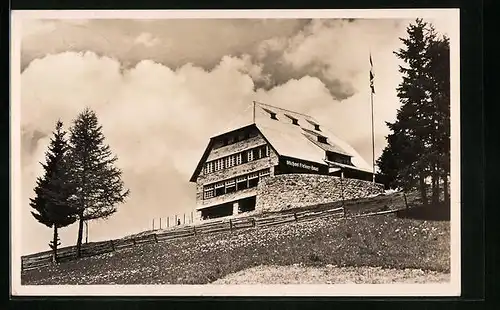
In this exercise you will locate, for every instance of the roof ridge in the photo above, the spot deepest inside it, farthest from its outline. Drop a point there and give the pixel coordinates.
(283, 109)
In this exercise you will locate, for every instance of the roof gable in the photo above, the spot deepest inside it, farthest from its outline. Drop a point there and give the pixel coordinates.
(290, 140)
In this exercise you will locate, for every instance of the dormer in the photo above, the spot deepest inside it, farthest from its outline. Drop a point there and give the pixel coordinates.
(293, 119)
(271, 113)
(322, 139)
(316, 126)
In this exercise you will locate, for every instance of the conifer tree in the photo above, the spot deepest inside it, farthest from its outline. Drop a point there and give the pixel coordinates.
(53, 191)
(418, 146)
(98, 185)
(438, 55)
(411, 117)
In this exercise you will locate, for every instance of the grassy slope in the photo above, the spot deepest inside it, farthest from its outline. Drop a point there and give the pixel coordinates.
(385, 240)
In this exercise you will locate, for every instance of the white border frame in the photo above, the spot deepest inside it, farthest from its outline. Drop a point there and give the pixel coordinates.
(448, 289)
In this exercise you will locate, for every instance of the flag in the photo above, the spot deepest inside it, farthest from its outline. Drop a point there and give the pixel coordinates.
(371, 75)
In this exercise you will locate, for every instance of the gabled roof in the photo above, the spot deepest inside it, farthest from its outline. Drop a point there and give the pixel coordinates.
(291, 140)
(209, 148)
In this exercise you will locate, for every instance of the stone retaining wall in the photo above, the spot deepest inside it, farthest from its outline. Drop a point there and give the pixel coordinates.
(287, 191)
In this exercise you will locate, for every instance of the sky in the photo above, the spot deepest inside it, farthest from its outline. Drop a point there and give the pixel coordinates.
(162, 88)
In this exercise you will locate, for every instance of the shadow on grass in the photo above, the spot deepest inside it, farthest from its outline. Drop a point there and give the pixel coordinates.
(432, 212)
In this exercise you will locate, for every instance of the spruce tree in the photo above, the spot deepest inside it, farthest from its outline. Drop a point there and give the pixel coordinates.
(412, 121)
(98, 184)
(438, 55)
(53, 191)
(418, 146)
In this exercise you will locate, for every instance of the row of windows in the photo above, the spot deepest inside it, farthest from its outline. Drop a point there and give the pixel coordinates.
(235, 184)
(339, 158)
(237, 159)
(233, 138)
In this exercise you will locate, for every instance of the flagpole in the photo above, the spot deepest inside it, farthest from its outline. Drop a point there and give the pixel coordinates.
(254, 111)
(373, 139)
(372, 90)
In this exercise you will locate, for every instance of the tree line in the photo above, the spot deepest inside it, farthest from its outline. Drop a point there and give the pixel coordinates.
(417, 156)
(80, 181)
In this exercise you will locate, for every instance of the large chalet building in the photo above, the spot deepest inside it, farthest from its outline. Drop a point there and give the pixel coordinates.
(278, 141)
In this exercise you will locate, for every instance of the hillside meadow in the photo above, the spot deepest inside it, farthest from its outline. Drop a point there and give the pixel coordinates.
(385, 242)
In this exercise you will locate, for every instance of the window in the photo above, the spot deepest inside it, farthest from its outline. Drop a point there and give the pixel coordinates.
(234, 184)
(253, 179)
(256, 153)
(267, 150)
(238, 159)
(208, 192)
(339, 158)
(264, 150)
(264, 173)
(230, 186)
(209, 167)
(229, 161)
(241, 183)
(322, 139)
(250, 155)
(219, 189)
(218, 164)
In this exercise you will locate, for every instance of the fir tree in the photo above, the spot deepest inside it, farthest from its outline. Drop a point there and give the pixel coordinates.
(418, 147)
(98, 184)
(438, 55)
(53, 191)
(411, 119)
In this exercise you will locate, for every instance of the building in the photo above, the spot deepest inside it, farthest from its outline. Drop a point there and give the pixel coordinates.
(277, 142)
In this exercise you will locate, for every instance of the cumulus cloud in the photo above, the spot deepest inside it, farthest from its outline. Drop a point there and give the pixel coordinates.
(181, 40)
(158, 114)
(155, 119)
(334, 51)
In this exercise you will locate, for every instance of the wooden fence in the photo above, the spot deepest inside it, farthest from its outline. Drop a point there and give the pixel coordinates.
(95, 248)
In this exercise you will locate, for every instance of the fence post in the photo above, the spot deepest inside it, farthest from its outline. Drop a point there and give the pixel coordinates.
(295, 216)
(153, 224)
(168, 220)
(406, 202)
(133, 240)
(342, 191)
(230, 225)
(253, 221)
(160, 222)
(194, 230)
(112, 245)
(156, 238)
(184, 215)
